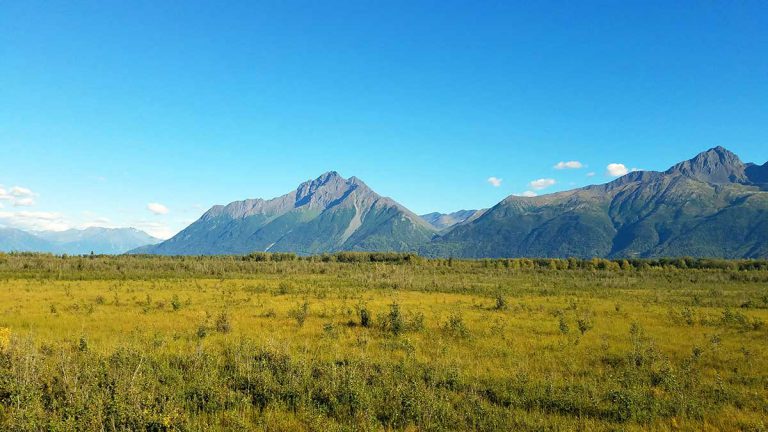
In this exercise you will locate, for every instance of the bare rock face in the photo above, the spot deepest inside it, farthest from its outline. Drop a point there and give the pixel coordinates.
(716, 166)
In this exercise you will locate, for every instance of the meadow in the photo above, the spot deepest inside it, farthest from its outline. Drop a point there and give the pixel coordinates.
(375, 342)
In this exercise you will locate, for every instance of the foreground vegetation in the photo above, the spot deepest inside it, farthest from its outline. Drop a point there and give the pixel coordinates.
(381, 342)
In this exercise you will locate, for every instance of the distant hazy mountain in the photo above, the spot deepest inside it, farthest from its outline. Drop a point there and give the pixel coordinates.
(12, 239)
(442, 221)
(75, 242)
(710, 206)
(327, 214)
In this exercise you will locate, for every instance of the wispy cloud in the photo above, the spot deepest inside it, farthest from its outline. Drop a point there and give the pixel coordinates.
(21, 192)
(542, 183)
(591, 174)
(494, 181)
(529, 194)
(568, 165)
(18, 196)
(24, 202)
(157, 208)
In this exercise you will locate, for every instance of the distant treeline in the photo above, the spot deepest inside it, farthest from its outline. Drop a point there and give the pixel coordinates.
(215, 264)
(342, 257)
(523, 263)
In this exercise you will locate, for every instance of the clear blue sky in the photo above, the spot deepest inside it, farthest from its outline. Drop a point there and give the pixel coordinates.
(108, 106)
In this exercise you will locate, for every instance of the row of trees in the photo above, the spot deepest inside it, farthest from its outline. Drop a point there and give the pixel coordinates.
(31, 260)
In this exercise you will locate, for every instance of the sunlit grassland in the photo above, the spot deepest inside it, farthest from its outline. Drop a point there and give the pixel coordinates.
(449, 346)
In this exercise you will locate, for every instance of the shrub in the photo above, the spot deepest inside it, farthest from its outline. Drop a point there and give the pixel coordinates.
(301, 313)
(584, 324)
(455, 326)
(82, 344)
(175, 302)
(394, 321)
(501, 303)
(223, 324)
(202, 331)
(365, 317)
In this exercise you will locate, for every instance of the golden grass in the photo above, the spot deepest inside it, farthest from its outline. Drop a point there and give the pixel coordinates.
(682, 316)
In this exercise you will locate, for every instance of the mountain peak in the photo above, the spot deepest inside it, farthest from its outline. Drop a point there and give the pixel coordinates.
(326, 188)
(716, 165)
(325, 214)
(719, 152)
(329, 176)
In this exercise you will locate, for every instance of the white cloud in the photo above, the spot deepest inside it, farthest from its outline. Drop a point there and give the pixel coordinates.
(618, 170)
(155, 229)
(157, 208)
(34, 220)
(18, 196)
(542, 183)
(100, 222)
(21, 192)
(24, 202)
(591, 174)
(569, 165)
(494, 181)
(529, 194)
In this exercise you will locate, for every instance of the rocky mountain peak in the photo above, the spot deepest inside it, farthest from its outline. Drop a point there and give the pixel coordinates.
(325, 189)
(716, 165)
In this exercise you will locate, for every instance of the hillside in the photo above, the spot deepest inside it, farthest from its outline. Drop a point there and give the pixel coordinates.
(712, 206)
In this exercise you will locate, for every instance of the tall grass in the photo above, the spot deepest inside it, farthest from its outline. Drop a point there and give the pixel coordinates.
(380, 342)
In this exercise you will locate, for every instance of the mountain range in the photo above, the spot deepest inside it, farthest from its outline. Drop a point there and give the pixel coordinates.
(75, 242)
(710, 206)
(713, 205)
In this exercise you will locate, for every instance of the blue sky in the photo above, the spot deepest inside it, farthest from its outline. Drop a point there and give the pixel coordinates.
(106, 107)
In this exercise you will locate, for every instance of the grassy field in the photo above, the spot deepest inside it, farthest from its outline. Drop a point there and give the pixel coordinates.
(226, 343)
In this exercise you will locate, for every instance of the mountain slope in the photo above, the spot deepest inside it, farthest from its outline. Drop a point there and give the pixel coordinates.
(712, 205)
(16, 240)
(75, 242)
(443, 221)
(327, 214)
(98, 240)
